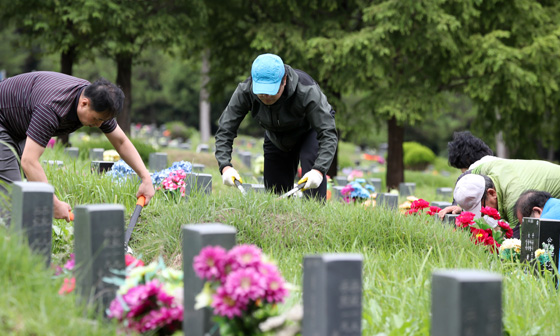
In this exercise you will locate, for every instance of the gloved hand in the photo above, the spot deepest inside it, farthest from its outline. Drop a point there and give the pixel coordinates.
(312, 179)
(229, 174)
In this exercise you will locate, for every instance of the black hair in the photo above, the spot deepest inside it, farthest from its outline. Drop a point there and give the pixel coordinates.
(529, 199)
(105, 97)
(488, 183)
(466, 149)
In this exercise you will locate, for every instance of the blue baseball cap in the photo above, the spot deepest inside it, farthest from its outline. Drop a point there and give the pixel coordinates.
(267, 73)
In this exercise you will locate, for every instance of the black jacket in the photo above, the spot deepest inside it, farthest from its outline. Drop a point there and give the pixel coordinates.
(302, 107)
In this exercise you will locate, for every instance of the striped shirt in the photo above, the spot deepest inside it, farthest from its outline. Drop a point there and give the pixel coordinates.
(41, 105)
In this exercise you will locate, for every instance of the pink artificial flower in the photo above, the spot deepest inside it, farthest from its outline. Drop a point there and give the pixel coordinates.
(276, 290)
(419, 204)
(137, 298)
(347, 190)
(246, 255)
(130, 260)
(68, 286)
(166, 320)
(210, 262)
(490, 212)
(51, 143)
(70, 263)
(245, 284)
(225, 305)
(433, 210)
(411, 212)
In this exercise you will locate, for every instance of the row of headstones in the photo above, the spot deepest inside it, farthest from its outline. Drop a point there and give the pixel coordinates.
(464, 302)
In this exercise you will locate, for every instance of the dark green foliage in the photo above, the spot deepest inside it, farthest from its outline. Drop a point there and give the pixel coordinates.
(143, 148)
(178, 129)
(417, 156)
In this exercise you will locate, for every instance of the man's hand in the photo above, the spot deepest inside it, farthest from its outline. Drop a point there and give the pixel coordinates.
(61, 210)
(229, 175)
(453, 209)
(312, 179)
(146, 189)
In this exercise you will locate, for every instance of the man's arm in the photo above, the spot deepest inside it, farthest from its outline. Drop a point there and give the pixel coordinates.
(34, 172)
(130, 155)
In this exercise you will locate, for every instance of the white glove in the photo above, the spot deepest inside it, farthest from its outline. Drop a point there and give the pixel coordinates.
(229, 175)
(312, 179)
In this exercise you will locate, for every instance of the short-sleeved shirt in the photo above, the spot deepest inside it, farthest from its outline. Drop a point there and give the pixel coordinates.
(41, 105)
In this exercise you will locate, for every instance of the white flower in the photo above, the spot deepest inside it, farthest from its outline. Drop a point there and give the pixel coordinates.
(512, 243)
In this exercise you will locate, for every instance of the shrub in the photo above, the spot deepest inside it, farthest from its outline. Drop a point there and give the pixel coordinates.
(143, 148)
(178, 129)
(417, 156)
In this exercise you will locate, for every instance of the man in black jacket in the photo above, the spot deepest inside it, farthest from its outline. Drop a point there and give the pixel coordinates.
(298, 121)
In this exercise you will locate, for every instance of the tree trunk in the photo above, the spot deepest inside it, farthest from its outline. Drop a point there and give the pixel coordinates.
(395, 164)
(204, 104)
(124, 80)
(67, 59)
(501, 149)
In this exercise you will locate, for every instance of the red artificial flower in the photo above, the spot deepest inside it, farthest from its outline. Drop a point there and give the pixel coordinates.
(465, 219)
(479, 235)
(490, 212)
(419, 204)
(411, 212)
(129, 259)
(68, 286)
(434, 210)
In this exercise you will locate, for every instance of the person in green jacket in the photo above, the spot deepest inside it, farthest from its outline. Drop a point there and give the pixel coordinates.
(298, 121)
(502, 183)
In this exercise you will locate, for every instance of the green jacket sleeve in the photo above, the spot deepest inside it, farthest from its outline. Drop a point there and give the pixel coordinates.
(229, 122)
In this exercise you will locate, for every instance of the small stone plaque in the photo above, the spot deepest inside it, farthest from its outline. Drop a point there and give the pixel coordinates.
(407, 189)
(73, 152)
(158, 161)
(444, 193)
(96, 154)
(198, 183)
(441, 204)
(98, 248)
(450, 219)
(202, 148)
(376, 183)
(195, 238)
(258, 188)
(387, 200)
(341, 180)
(197, 167)
(466, 302)
(32, 214)
(336, 193)
(246, 158)
(101, 166)
(332, 295)
(54, 163)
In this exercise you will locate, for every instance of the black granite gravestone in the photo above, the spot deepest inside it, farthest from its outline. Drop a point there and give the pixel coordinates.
(98, 249)
(535, 232)
(32, 215)
(158, 161)
(195, 238)
(465, 303)
(101, 166)
(332, 295)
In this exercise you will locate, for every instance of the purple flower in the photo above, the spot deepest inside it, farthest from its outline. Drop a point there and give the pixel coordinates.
(245, 256)
(70, 263)
(166, 319)
(246, 284)
(225, 305)
(276, 290)
(209, 264)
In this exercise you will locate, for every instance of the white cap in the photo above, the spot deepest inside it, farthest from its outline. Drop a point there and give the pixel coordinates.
(468, 193)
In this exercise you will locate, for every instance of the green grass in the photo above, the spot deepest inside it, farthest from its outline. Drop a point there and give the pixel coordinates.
(400, 252)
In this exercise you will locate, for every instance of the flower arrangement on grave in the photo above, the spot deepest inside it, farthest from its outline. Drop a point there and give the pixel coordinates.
(149, 299)
(242, 288)
(488, 230)
(111, 155)
(544, 255)
(175, 181)
(510, 250)
(65, 271)
(357, 191)
(416, 206)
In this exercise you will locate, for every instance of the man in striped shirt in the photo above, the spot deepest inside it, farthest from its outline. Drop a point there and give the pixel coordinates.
(38, 105)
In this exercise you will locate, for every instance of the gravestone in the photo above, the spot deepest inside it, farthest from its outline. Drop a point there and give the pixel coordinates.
(198, 168)
(246, 158)
(202, 148)
(96, 154)
(158, 161)
(387, 200)
(535, 232)
(198, 183)
(376, 183)
(195, 238)
(407, 189)
(466, 302)
(444, 193)
(336, 193)
(332, 295)
(101, 166)
(259, 188)
(54, 163)
(73, 152)
(341, 180)
(32, 215)
(184, 145)
(260, 179)
(98, 249)
(450, 219)
(441, 204)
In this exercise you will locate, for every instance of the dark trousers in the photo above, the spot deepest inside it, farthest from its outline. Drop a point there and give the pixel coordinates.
(9, 166)
(280, 168)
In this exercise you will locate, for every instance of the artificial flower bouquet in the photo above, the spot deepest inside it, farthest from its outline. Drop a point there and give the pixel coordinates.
(149, 299)
(418, 206)
(488, 230)
(175, 181)
(510, 250)
(357, 191)
(242, 288)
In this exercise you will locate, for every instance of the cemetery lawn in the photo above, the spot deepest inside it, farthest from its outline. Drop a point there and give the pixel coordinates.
(400, 252)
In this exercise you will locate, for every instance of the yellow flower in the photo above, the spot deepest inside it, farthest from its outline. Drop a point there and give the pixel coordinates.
(539, 252)
(204, 298)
